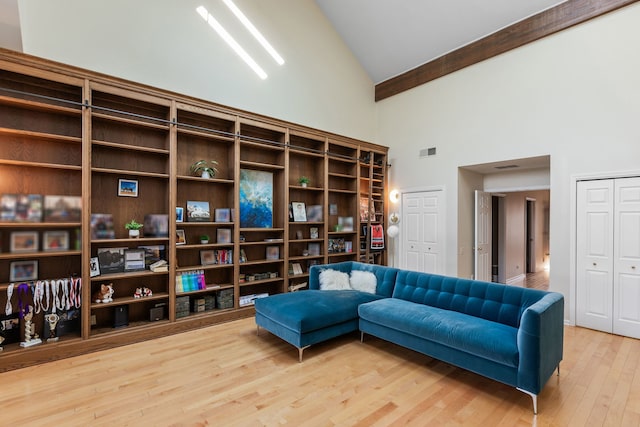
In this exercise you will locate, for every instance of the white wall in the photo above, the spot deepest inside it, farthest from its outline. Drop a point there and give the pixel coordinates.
(574, 96)
(166, 44)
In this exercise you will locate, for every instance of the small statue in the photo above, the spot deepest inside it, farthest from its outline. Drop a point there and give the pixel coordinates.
(30, 335)
(105, 294)
(138, 293)
(52, 319)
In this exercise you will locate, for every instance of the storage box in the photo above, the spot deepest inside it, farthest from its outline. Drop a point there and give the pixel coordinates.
(182, 306)
(197, 305)
(209, 302)
(224, 298)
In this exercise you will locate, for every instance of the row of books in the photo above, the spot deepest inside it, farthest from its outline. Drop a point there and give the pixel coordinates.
(192, 280)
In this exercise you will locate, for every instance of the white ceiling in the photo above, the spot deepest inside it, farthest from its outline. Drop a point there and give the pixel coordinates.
(389, 37)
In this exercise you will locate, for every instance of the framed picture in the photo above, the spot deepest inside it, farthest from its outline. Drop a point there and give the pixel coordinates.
(102, 226)
(299, 211)
(20, 271)
(222, 215)
(111, 260)
(208, 257)
(24, 241)
(62, 208)
(256, 199)
(314, 248)
(179, 214)
(28, 208)
(134, 259)
(156, 225)
(273, 252)
(153, 253)
(8, 207)
(346, 223)
(314, 213)
(127, 187)
(333, 209)
(94, 267)
(223, 235)
(313, 232)
(198, 211)
(55, 241)
(181, 239)
(297, 268)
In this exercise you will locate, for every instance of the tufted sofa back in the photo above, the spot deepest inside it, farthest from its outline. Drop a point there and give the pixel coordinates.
(491, 301)
(385, 276)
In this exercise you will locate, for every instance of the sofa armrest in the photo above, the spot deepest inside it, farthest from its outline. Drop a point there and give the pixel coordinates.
(540, 341)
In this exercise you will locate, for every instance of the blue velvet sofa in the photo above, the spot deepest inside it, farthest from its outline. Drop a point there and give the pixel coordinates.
(510, 334)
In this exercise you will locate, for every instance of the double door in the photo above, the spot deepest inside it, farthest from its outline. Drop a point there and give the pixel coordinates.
(608, 255)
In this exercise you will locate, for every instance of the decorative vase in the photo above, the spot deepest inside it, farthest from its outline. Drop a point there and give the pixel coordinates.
(134, 234)
(205, 175)
(204, 241)
(304, 185)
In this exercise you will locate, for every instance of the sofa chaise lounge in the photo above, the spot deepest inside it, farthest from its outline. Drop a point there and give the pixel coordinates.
(509, 334)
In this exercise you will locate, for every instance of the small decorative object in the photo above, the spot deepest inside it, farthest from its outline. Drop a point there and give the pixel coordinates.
(304, 181)
(52, 320)
(138, 293)
(205, 168)
(134, 228)
(105, 294)
(30, 335)
(127, 188)
(146, 292)
(204, 239)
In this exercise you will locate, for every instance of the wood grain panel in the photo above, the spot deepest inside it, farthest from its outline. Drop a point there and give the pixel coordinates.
(548, 22)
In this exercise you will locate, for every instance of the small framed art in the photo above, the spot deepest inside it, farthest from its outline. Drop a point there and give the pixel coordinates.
(94, 267)
(20, 271)
(198, 211)
(179, 214)
(208, 257)
(127, 187)
(181, 239)
(24, 241)
(223, 235)
(55, 241)
(273, 252)
(299, 211)
(222, 215)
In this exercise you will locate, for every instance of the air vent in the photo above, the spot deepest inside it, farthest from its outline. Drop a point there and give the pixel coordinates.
(428, 152)
(507, 167)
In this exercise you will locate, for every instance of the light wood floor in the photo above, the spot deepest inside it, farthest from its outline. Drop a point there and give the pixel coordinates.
(225, 375)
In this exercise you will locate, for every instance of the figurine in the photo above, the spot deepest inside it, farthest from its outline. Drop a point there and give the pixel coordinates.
(146, 292)
(138, 293)
(105, 294)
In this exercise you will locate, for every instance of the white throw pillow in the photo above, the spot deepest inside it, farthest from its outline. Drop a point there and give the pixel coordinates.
(333, 280)
(364, 281)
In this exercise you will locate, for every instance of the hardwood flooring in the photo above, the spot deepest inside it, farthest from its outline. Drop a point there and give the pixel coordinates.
(226, 375)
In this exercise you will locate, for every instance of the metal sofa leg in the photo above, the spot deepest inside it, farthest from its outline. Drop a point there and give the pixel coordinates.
(534, 397)
(361, 336)
(257, 329)
(300, 350)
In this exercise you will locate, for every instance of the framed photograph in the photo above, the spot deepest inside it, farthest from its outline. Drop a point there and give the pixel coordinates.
(94, 266)
(314, 248)
(55, 241)
(243, 256)
(153, 254)
(299, 211)
(333, 209)
(8, 207)
(111, 260)
(127, 187)
(223, 235)
(102, 226)
(313, 232)
(62, 208)
(134, 260)
(156, 225)
(223, 215)
(273, 252)
(28, 208)
(21, 271)
(348, 246)
(181, 239)
(314, 213)
(208, 257)
(346, 223)
(24, 241)
(198, 211)
(179, 214)
(297, 268)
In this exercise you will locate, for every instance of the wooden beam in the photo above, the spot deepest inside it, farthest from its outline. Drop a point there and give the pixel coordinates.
(550, 21)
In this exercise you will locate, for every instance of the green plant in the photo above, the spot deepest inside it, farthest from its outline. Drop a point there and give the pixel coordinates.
(133, 225)
(208, 166)
(304, 180)
(204, 237)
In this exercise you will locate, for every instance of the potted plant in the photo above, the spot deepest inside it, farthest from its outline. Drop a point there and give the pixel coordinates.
(134, 228)
(204, 239)
(204, 168)
(304, 181)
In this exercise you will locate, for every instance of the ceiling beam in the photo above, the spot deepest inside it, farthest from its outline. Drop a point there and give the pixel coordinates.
(550, 21)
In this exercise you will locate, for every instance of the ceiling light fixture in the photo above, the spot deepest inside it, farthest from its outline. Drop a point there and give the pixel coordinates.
(204, 13)
(254, 31)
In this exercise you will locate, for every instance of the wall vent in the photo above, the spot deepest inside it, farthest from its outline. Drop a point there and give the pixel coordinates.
(507, 167)
(428, 152)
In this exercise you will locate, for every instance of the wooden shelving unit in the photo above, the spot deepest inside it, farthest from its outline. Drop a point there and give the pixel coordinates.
(74, 133)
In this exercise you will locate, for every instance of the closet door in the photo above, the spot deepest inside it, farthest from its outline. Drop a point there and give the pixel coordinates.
(626, 280)
(594, 254)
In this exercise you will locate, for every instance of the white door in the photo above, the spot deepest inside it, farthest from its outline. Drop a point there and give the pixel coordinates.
(626, 280)
(423, 232)
(482, 237)
(594, 254)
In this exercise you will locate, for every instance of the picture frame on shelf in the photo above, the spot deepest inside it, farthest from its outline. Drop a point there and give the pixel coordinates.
(8, 207)
(102, 226)
(314, 213)
(208, 257)
(222, 215)
(111, 260)
(62, 208)
(134, 260)
(153, 253)
(57, 240)
(314, 249)
(346, 223)
(127, 187)
(243, 256)
(94, 267)
(22, 271)
(273, 252)
(156, 225)
(313, 233)
(28, 208)
(179, 214)
(348, 246)
(181, 239)
(297, 268)
(333, 209)
(223, 235)
(299, 212)
(198, 211)
(24, 241)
